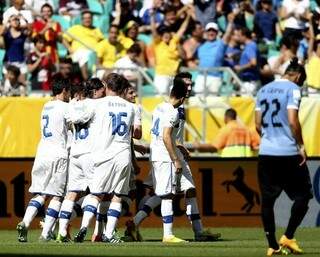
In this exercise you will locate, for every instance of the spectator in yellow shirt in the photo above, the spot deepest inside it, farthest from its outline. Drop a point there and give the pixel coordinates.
(233, 140)
(110, 50)
(167, 57)
(313, 63)
(80, 40)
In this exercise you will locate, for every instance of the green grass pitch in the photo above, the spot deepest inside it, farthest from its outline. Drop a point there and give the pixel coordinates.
(235, 242)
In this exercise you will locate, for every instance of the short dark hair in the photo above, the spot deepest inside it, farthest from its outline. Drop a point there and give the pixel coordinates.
(90, 85)
(76, 89)
(231, 113)
(39, 38)
(163, 29)
(184, 75)
(65, 60)
(135, 49)
(85, 12)
(115, 82)
(296, 67)
(113, 26)
(59, 84)
(47, 5)
(245, 31)
(14, 69)
(179, 90)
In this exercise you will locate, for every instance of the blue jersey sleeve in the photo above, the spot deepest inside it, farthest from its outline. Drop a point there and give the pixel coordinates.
(294, 98)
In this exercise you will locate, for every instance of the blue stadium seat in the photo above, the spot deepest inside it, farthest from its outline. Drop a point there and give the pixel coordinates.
(147, 39)
(222, 22)
(148, 90)
(64, 22)
(95, 6)
(62, 50)
(2, 54)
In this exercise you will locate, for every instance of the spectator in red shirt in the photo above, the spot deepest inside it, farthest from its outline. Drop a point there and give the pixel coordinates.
(50, 30)
(40, 65)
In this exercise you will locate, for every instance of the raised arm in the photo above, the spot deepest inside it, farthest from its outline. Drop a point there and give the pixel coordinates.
(154, 32)
(311, 39)
(117, 17)
(183, 26)
(227, 35)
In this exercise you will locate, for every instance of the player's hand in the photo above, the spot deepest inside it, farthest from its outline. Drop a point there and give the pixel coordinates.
(141, 149)
(178, 165)
(184, 151)
(302, 153)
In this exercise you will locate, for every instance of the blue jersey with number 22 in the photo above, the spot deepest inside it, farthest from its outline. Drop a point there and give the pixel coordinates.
(273, 101)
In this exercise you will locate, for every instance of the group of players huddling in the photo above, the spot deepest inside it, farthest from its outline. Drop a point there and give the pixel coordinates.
(103, 119)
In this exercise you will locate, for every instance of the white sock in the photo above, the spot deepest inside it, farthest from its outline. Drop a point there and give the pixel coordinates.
(83, 201)
(51, 217)
(101, 217)
(89, 211)
(113, 216)
(147, 208)
(65, 216)
(167, 216)
(192, 212)
(33, 207)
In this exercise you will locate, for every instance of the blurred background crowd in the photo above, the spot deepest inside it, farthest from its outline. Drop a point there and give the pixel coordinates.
(231, 47)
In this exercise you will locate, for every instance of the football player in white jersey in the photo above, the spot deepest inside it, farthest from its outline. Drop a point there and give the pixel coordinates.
(165, 156)
(112, 120)
(81, 164)
(49, 170)
(130, 95)
(187, 185)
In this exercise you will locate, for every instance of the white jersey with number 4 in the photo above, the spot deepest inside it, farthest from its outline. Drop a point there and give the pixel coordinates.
(53, 130)
(164, 116)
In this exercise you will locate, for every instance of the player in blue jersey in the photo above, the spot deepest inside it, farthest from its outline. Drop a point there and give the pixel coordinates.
(282, 156)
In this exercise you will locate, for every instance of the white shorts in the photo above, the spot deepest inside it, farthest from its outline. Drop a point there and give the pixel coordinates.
(212, 84)
(21, 65)
(80, 172)
(162, 83)
(165, 179)
(49, 176)
(81, 56)
(112, 176)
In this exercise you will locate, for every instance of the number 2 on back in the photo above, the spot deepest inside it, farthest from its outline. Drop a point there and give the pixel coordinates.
(275, 103)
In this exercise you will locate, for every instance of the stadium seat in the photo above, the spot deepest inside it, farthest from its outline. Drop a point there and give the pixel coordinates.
(147, 39)
(249, 21)
(95, 6)
(108, 7)
(313, 5)
(64, 22)
(62, 51)
(226, 88)
(76, 20)
(222, 22)
(2, 54)
(92, 62)
(148, 90)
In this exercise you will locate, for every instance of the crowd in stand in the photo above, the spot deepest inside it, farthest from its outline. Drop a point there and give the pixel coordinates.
(79, 39)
